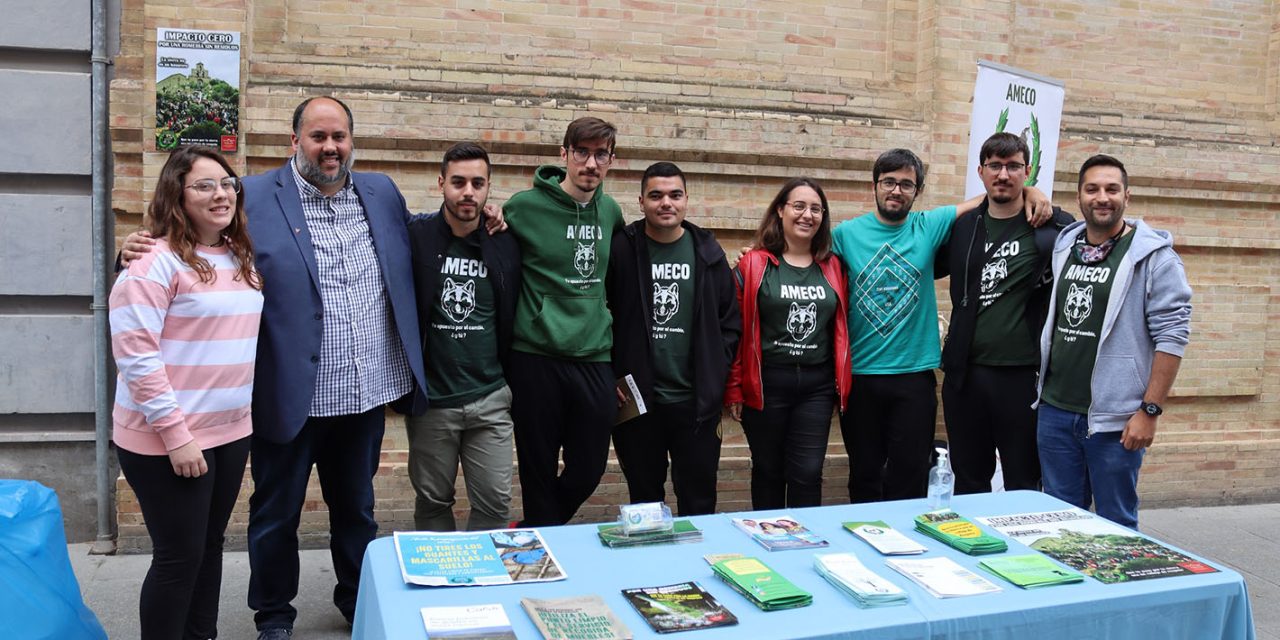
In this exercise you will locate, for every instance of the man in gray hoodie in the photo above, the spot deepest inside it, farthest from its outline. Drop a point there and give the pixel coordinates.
(1119, 320)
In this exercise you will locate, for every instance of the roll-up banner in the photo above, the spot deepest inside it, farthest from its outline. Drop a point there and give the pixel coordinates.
(1023, 103)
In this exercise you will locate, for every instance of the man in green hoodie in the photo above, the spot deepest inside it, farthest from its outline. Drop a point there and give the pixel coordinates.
(560, 376)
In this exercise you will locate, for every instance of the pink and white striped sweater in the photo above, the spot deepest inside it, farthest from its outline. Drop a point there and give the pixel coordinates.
(185, 351)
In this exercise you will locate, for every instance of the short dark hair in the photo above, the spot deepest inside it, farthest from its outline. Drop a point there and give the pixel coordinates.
(895, 159)
(297, 114)
(769, 234)
(1003, 145)
(589, 128)
(464, 151)
(661, 170)
(1102, 160)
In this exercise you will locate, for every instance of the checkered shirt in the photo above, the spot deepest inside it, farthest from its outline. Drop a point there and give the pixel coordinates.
(362, 361)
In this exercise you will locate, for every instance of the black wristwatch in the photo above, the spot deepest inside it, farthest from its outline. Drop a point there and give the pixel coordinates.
(1152, 409)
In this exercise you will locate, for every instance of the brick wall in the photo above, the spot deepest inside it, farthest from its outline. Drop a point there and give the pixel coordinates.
(745, 94)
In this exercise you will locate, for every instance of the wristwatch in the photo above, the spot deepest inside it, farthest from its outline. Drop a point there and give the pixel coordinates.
(1152, 409)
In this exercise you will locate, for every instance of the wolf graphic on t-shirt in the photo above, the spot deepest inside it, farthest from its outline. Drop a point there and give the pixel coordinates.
(801, 321)
(992, 274)
(1079, 304)
(584, 259)
(666, 302)
(458, 299)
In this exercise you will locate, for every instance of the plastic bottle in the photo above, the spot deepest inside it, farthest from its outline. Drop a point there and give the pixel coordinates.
(942, 482)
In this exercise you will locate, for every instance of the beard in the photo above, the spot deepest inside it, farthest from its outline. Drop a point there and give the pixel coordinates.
(311, 171)
(892, 215)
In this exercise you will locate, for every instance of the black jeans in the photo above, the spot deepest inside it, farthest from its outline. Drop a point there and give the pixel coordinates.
(642, 445)
(560, 404)
(344, 451)
(993, 411)
(888, 433)
(788, 436)
(186, 519)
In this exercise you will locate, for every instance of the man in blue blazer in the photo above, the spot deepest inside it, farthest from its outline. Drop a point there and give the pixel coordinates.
(338, 342)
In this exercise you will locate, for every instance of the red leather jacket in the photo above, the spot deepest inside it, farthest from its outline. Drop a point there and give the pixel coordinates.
(744, 383)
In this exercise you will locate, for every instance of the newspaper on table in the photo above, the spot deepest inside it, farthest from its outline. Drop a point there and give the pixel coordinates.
(1096, 546)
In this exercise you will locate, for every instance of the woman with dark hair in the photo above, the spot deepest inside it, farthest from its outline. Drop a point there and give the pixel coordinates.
(793, 360)
(184, 332)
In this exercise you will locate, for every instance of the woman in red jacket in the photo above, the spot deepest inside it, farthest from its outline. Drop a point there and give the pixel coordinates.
(793, 360)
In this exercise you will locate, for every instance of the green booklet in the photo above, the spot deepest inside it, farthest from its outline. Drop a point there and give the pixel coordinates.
(611, 535)
(1030, 571)
(763, 586)
(955, 531)
(679, 607)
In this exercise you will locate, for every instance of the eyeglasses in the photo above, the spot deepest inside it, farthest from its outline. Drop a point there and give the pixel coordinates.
(207, 187)
(1013, 167)
(800, 206)
(889, 184)
(602, 157)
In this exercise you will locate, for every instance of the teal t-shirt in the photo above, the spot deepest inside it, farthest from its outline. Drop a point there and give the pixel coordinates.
(893, 308)
(462, 335)
(671, 269)
(796, 306)
(1081, 305)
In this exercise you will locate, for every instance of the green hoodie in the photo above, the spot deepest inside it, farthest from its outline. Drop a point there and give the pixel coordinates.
(561, 310)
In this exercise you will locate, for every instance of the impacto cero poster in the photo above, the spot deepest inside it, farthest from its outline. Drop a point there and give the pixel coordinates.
(197, 88)
(1025, 104)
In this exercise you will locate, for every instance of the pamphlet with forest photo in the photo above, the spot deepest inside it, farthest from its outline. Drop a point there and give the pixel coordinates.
(1096, 546)
(679, 607)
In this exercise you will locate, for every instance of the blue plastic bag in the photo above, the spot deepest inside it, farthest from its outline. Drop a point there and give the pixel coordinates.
(39, 595)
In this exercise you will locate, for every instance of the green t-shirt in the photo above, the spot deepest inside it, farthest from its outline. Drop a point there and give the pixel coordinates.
(462, 338)
(796, 307)
(1002, 337)
(1081, 303)
(672, 273)
(893, 308)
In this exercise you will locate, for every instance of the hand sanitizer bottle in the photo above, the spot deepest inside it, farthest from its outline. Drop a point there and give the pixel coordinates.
(942, 482)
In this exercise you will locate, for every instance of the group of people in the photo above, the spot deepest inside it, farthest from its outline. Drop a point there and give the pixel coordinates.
(276, 317)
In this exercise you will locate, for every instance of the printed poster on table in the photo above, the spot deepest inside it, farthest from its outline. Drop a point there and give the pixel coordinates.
(477, 558)
(197, 88)
(1096, 546)
(1022, 103)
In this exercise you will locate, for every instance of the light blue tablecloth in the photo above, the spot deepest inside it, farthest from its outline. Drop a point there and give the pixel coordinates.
(1196, 607)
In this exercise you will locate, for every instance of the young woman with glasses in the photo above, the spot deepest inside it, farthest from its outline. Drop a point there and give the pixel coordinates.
(184, 331)
(793, 361)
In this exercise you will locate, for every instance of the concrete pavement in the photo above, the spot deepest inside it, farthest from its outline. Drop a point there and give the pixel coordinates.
(1245, 538)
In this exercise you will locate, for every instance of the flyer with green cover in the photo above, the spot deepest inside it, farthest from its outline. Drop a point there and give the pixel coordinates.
(1030, 571)
(957, 532)
(763, 586)
(679, 607)
(681, 531)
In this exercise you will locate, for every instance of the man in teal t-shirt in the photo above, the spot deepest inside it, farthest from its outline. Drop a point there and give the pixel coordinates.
(560, 375)
(893, 330)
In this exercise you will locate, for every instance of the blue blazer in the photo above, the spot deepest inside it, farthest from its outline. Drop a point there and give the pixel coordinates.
(292, 320)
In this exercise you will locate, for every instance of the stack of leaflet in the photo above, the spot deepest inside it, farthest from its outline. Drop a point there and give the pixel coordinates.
(681, 531)
(763, 586)
(863, 585)
(955, 531)
(1030, 571)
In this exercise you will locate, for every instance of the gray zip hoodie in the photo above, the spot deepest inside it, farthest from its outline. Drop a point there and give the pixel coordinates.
(1149, 310)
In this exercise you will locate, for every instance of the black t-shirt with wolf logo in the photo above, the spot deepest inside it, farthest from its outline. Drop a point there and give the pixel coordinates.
(1081, 304)
(461, 339)
(671, 269)
(1002, 337)
(796, 307)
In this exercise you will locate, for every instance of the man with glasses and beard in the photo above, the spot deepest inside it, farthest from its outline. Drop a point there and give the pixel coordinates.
(1000, 282)
(893, 329)
(1119, 321)
(561, 378)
